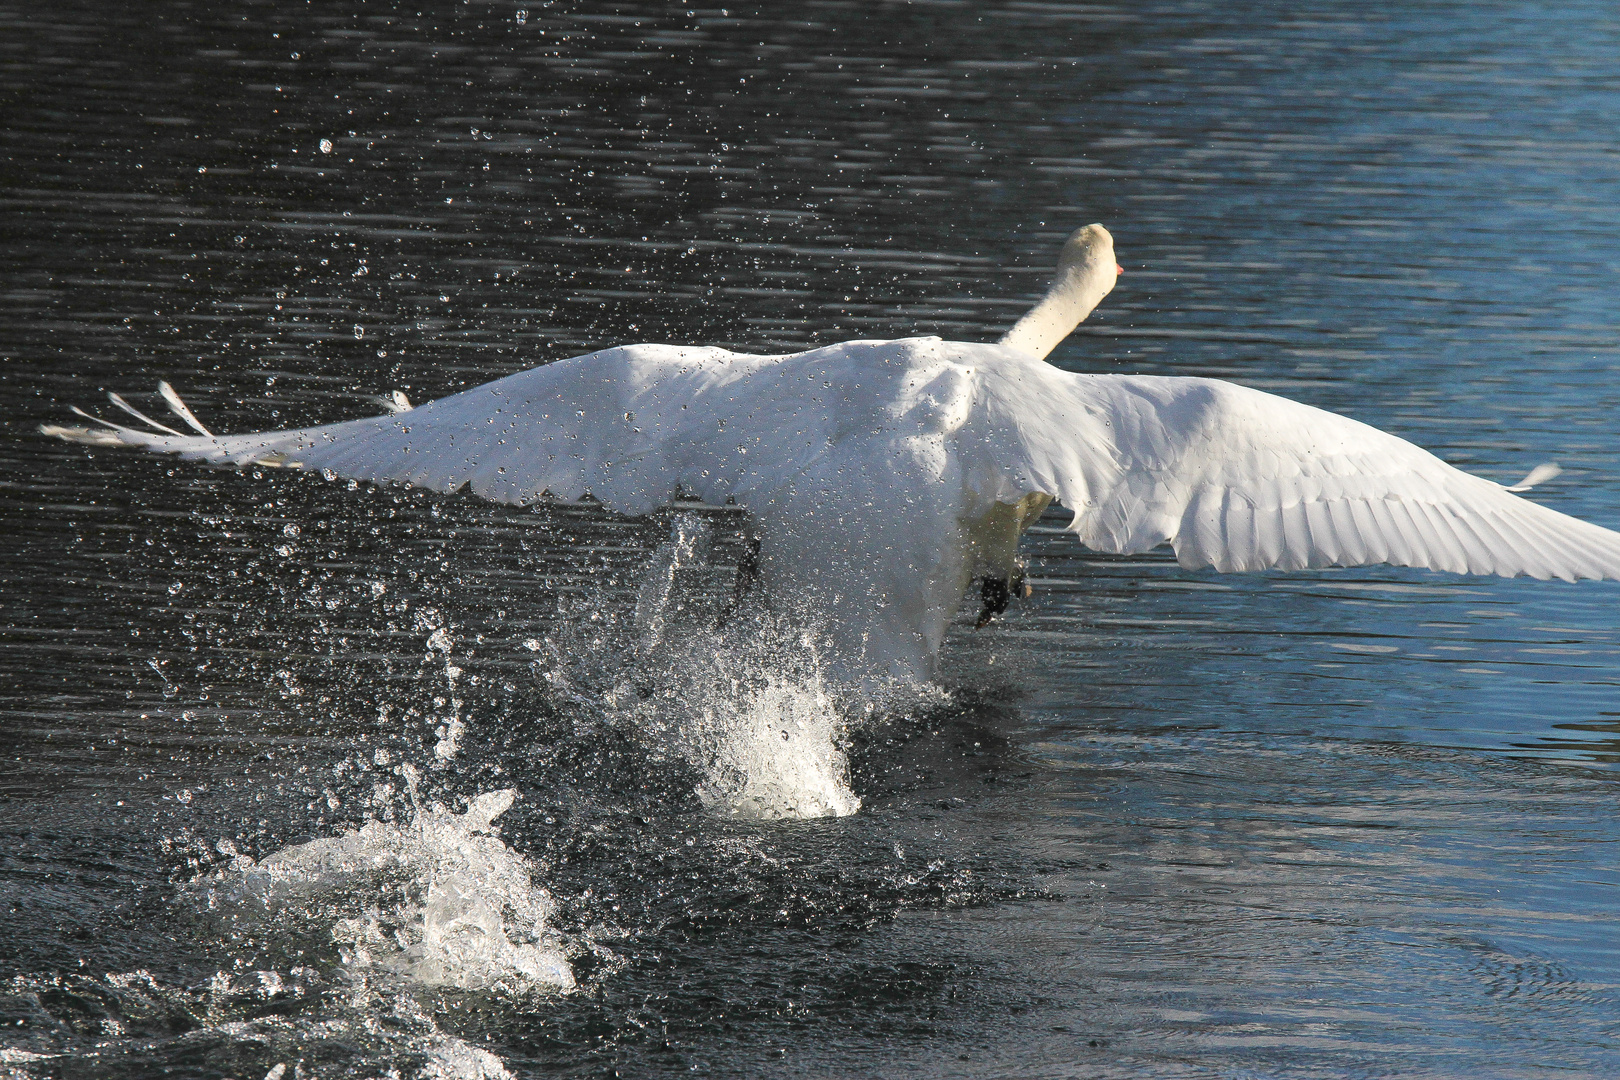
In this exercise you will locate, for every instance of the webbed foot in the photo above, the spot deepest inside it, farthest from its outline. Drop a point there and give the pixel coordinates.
(997, 593)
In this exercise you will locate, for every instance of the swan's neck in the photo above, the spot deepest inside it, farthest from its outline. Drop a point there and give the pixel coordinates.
(1086, 273)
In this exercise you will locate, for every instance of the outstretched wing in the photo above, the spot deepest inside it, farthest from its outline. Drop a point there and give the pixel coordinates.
(628, 426)
(1232, 477)
(1242, 480)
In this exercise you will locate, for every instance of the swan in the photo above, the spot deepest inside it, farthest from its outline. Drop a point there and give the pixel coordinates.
(885, 477)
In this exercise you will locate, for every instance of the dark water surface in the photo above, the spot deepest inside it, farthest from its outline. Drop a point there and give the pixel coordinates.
(1158, 824)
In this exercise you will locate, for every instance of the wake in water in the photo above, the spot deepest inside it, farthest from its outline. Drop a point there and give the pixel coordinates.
(355, 936)
(409, 915)
(411, 910)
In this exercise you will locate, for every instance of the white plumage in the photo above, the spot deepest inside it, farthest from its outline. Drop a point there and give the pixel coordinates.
(885, 475)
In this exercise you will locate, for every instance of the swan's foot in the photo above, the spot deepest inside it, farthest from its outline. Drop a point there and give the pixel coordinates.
(997, 593)
(746, 588)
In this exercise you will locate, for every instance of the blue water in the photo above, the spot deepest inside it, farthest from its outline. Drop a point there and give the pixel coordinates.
(1156, 822)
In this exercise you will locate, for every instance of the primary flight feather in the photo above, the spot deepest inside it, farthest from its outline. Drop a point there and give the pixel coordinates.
(885, 476)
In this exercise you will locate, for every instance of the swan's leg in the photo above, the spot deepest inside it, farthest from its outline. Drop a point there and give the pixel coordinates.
(996, 595)
(998, 592)
(747, 572)
(999, 570)
(746, 587)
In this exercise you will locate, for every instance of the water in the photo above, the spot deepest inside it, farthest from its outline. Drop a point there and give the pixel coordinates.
(259, 730)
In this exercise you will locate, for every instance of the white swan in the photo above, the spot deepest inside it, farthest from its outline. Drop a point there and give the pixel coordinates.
(886, 475)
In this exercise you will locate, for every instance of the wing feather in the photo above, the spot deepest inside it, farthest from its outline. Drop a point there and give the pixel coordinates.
(1319, 519)
(609, 425)
(1242, 480)
(1231, 477)
(1354, 549)
(630, 427)
(1434, 544)
(1297, 543)
(1473, 535)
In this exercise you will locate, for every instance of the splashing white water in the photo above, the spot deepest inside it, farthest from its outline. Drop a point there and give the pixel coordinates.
(774, 753)
(766, 735)
(441, 901)
(243, 1020)
(448, 1058)
(745, 703)
(690, 540)
(451, 726)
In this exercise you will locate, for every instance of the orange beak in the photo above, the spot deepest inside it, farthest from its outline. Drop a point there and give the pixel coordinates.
(1118, 269)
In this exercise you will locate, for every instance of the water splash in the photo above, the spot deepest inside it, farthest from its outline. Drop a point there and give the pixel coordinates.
(247, 1023)
(736, 695)
(449, 1058)
(441, 901)
(451, 726)
(774, 753)
(689, 544)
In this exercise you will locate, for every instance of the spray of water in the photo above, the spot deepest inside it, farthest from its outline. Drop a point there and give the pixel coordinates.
(370, 922)
(440, 901)
(737, 696)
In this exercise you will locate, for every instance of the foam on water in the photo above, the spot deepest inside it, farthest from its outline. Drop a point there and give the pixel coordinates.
(441, 901)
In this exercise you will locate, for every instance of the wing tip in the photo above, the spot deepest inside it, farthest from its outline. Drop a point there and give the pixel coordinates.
(180, 409)
(1538, 475)
(86, 436)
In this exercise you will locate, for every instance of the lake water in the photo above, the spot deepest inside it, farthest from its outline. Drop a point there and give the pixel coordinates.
(1155, 823)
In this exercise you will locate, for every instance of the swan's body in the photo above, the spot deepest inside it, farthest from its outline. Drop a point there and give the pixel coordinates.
(885, 475)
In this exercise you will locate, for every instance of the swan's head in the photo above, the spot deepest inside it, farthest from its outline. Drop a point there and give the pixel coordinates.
(1086, 272)
(1088, 254)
